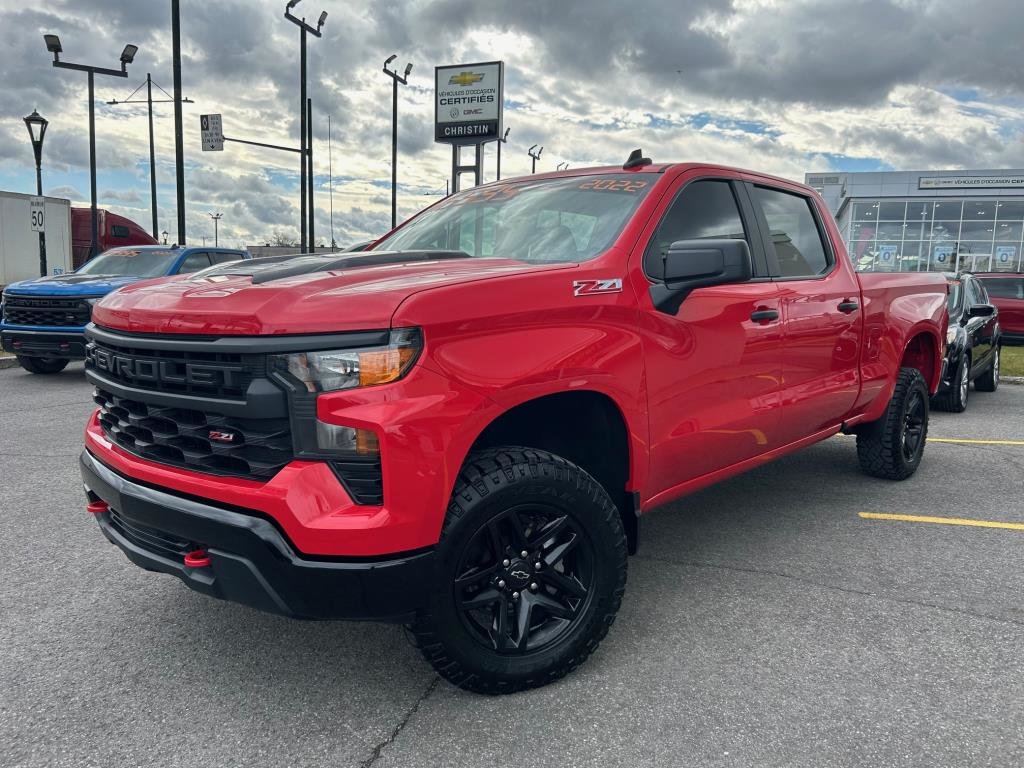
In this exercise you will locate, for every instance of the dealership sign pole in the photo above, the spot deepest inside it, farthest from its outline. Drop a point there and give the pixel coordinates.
(468, 110)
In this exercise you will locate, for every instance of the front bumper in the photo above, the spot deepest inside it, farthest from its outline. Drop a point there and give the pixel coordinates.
(68, 344)
(251, 562)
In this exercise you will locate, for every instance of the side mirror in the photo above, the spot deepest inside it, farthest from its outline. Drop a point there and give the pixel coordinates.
(691, 264)
(982, 310)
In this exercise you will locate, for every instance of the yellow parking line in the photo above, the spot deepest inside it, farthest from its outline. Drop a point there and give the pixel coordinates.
(974, 442)
(942, 520)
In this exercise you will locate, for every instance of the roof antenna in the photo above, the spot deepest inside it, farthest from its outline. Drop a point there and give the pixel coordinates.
(636, 160)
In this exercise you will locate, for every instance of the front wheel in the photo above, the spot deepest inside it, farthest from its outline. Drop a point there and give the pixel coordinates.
(42, 365)
(892, 447)
(532, 570)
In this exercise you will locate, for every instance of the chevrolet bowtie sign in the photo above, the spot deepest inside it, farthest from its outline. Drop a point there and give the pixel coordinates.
(468, 102)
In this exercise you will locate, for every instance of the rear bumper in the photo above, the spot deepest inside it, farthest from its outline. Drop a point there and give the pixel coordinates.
(68, 344)
(251, 562)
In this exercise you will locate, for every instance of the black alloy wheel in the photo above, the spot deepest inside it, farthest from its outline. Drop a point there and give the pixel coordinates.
(914, 420)
(524, 580)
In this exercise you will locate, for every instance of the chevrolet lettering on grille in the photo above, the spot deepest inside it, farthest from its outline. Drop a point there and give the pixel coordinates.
(150, 371)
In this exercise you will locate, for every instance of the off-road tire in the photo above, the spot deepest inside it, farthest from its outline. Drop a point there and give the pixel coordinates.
(955, 399)
(881, 444)
(989, 380)
(42, 365)
(492, 482)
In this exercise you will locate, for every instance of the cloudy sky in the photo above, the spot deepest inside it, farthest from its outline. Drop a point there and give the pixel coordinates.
(785, 86)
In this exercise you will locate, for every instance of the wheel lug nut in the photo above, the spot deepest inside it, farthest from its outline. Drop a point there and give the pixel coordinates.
(537, 565)
(501, 583)
(524, 553)
(533, 587)
(515, 595)
(506, 562)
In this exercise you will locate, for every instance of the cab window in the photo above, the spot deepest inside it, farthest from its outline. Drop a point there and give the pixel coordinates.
(795, 237)
(705, 209)
(194, 262)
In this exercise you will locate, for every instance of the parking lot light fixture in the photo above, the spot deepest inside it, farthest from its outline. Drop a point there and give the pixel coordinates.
(535, 156)
(36, 125)
(127, 56)
(305, 148)
(395, 80)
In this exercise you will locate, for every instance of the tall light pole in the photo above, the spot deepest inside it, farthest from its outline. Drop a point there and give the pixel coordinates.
(36, 125)
(179, 131)
(535, 156)
(216, 220)
(501, 140)
(150, 101)
(304, 150)
(395, 80)
(127, 56)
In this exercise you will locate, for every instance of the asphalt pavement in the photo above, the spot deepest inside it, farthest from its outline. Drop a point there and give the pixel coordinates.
(765, 623)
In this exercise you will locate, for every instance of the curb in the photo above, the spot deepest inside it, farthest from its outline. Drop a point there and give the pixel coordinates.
(1011, 379)
(8, 362)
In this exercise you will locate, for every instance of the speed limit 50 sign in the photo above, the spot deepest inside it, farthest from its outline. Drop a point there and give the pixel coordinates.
(36, 210)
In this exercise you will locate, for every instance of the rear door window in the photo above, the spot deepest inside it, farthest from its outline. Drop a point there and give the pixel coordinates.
(796, 239)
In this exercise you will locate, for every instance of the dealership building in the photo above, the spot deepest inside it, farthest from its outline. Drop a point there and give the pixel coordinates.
(929, 220)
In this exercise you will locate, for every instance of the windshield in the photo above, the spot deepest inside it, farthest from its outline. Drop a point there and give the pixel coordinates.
(956, 290)
(131, 262)
(543, 221)
(1005, 287)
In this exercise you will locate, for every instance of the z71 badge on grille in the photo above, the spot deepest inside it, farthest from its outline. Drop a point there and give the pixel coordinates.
(589, 287)
(221, 437)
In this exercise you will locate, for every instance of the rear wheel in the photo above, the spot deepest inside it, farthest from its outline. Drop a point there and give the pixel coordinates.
(989, 380)
(43, 365)
(532, 570)
(892, 447)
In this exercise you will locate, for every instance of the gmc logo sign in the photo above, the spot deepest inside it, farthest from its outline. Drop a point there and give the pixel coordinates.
(147, 371)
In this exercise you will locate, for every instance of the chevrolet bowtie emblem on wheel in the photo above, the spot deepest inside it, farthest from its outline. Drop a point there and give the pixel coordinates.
(589, 287)
(520, 574)
(465, 78)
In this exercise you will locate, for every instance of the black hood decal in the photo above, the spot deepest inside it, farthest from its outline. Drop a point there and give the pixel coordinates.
(278, 267)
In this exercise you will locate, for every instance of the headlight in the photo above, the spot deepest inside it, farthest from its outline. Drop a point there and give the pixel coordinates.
(951, 334)
(332, 370)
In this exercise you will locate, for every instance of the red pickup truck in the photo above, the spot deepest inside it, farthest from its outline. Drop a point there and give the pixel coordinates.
(458, 428)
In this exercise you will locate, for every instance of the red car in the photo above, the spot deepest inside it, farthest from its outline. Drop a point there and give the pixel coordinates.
(459, 428)
(1006, 292)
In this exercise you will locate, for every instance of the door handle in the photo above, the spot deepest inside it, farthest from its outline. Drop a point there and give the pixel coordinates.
(848, 306)
(764, 315)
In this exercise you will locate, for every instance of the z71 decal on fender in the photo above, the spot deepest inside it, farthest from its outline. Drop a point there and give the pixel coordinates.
(589, 287)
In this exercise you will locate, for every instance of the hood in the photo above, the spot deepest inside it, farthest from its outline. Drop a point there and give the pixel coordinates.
(251, 300)
(70, 285)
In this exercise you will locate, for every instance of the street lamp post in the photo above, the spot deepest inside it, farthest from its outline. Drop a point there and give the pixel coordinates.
(164, 233)
(150, 101)
(216, 220)
(501, 140)
(305, 160)
(36, 125)
(535, 157)
(127, 56)
(395, 80)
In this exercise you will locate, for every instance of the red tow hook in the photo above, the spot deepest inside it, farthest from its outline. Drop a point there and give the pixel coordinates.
(96, 507)
(197, 558)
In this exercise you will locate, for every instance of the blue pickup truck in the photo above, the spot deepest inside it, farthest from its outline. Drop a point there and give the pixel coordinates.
(44, 319)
